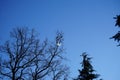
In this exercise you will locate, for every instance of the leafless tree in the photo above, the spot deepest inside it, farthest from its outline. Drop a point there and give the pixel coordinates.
(51, 59)
(59, 72)
(28, 58)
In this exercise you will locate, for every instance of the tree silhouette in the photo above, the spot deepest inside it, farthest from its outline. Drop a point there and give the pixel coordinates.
(117, 20)
(116, 37)
(87, 71)
(29, 59)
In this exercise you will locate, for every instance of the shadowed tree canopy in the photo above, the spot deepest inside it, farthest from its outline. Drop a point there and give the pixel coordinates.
(117, 20)
(87, 71)
(25, 57)
(116, 37)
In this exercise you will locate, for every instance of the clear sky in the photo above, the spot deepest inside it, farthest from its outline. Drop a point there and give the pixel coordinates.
(87, 27)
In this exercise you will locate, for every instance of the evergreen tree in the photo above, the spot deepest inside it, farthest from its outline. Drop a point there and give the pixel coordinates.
(117, 20)
(87, 71)
(116, 37)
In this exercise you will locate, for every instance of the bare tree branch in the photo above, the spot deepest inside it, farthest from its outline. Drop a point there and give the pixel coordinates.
(30, 59)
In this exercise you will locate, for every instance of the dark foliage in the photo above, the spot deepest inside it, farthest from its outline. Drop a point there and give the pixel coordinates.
(117, 20)
(116, 37)
(87, 71)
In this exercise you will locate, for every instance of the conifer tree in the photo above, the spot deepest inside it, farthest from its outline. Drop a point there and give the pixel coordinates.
(87, 71)
(116, 37)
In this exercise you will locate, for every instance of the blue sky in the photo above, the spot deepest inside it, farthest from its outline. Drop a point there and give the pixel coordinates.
(87, 27)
